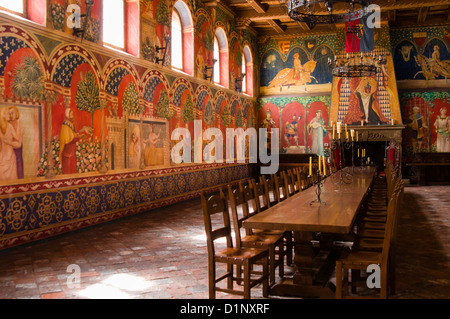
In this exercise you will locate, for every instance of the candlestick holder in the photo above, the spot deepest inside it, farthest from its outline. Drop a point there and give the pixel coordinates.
(319, 183)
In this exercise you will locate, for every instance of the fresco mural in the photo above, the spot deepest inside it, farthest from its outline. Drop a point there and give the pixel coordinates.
(296, 65)
(86, 109)
(422, 57)
(301, 121)
(427, 123)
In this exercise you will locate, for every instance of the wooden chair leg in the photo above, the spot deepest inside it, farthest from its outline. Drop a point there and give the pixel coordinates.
(266, 279)
(338, 280)
(246, 281)
(212, 282)
(230, 278)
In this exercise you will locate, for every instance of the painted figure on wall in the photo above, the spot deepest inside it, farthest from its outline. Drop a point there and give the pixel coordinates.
(316, 128)
(268, 123)
(135, 148)
(442, 126)
(434, 66)
(8, 141)
(417, 124)
(363, 103)
(68, 140)
(153, 155)
(291, 129)
(297, 75)
(14, 116)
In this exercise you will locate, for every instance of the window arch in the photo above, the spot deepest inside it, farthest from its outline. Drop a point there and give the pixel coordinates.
(247, 68)
(114, 23)
(182, 38)
(222, 62)
(32, 10)
(217, 58)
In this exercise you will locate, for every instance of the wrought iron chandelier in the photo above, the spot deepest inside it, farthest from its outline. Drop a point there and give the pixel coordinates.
(357, 64)
(311, 12)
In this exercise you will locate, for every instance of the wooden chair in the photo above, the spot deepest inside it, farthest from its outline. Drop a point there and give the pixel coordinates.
(280, 186)
(361, 259)
(271, 190)
(274, 243)
(296, 172)
(289, 185)
(263, 203)
(242, 258)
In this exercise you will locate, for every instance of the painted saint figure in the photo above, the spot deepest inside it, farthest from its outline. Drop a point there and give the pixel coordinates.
(268, 123)
(135, 148)
(316, 128)
(8, 141)
(417, 124)
(153, 155)
(363, 104)
(68, 144)
(14, 116)
(442, 126)
(292, 130)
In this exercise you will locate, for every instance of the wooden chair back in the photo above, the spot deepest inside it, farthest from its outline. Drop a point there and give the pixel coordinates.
(211, 205)
(289, 185)
(271, 190)
(261, 194)
(280, 185)
(239, 212)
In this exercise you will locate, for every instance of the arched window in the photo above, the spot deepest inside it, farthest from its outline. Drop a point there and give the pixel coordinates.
(17, 6)
(182, 38)
(222, 61)
(177, 41)
(34, 10)
(217, 64)
(247, 68)
(243, 70)
(114, 23)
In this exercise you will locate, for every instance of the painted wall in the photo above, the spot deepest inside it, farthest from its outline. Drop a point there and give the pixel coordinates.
(101, 121)
(422, 68)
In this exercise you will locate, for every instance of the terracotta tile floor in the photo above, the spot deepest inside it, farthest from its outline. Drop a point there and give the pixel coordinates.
(162, 254)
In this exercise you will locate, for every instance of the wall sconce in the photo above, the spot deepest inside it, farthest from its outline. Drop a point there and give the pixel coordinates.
(157, 49)
(238, 82)
(205, 71)
(79, 32)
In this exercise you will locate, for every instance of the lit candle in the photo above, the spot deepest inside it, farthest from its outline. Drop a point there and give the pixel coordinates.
(352, 134)
(310, 166)
(320, 166)
(324, 166)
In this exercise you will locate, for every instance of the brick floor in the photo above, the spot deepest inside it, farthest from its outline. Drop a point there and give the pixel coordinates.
(162, 254)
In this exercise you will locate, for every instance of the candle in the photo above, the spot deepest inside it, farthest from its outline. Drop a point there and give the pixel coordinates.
(310, 166)
(358, 152)
(392, 121)
(334, 129)
(362, 122)
(364, 152)
(324, 166)
(357, 136)
(352, 133)
(320, 167)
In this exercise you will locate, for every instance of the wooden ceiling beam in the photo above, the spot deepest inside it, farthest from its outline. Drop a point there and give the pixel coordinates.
(277, 26)
(277, 13)
(422, 16)
(260, 8)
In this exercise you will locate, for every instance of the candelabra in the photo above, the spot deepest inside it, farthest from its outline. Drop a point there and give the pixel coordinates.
(343, 175)
(319, 183)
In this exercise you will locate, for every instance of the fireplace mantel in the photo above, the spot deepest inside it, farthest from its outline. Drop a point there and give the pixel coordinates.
(377, 133)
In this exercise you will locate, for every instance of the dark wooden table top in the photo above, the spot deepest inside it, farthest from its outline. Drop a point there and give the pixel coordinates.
(336, 216)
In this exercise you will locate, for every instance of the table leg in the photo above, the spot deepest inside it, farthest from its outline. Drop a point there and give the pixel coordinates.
(304, 283)
(303, 258)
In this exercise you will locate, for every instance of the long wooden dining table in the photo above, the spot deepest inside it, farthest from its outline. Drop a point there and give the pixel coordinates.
(316, 227)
